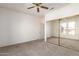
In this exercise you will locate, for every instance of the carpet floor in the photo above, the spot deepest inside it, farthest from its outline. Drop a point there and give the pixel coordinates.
(36, 48)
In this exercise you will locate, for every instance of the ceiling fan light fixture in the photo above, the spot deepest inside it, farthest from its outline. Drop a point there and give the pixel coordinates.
(38, 6)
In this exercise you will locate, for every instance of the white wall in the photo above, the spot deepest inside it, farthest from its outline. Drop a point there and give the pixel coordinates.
(16, 27)
(48, 29)
(66, 11)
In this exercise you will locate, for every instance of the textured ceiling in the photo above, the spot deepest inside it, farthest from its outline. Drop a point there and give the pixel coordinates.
(22, 7)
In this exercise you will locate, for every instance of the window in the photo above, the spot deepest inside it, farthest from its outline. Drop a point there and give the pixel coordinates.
(68, 28)
(71, 27)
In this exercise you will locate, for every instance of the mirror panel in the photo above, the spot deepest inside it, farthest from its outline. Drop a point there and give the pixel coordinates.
(53, 31)
(69, 32)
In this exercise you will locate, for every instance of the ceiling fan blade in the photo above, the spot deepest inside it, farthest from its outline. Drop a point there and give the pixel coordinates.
(30, 7)
(51, 8)
(37, 9)
(44, 7)
(37, 4)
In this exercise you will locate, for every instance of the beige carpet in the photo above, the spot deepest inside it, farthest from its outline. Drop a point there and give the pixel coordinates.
(37, 48)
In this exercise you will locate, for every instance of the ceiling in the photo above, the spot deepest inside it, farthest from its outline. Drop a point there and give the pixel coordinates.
(22, 7)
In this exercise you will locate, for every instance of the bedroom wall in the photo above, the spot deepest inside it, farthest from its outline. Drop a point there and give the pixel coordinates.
(16, 27)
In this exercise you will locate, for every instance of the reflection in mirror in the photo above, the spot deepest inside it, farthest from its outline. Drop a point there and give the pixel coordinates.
(64, 32)
(69, 32)
(52, 31)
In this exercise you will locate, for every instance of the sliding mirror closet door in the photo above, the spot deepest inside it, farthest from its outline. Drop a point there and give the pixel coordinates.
(69, 32)
(52, 31)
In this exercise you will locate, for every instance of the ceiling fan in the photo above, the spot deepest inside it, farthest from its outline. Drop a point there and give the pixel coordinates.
(38, 6)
